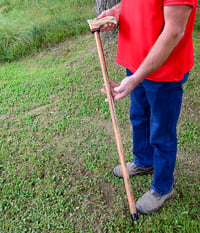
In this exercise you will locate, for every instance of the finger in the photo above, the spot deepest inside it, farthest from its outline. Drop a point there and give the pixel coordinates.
(103, 90)
(121, 89)
(109, 28)
(119, 96)
(119, 92)
(104, 28)
(114, 83)
(118, 89)
(112, 26)
(111, 87)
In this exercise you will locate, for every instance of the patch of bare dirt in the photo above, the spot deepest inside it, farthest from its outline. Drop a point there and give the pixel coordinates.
(105, 124)
(37, 110)
(108, 192)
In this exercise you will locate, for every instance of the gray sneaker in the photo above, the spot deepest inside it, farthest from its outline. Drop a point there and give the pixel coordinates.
(132, 170)
(152, 201)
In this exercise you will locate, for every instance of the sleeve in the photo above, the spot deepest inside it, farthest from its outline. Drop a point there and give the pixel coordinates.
(180, 2)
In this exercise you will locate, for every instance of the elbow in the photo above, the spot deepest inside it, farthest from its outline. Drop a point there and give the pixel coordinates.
(178, 35)
(173, 37)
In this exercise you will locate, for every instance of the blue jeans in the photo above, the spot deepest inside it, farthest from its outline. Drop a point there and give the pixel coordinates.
(154, 112)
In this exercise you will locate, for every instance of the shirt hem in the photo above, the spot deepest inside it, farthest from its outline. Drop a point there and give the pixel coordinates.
(157, 79)
(170, 3)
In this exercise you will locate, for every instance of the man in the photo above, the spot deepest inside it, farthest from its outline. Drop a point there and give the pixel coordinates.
(155, 46)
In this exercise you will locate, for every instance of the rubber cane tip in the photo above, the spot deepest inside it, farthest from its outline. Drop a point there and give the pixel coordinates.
(134, 217)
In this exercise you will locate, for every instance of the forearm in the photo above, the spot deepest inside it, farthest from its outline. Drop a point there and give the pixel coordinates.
(159, 53)
(117, 8)
(176, 18)
(155, 58)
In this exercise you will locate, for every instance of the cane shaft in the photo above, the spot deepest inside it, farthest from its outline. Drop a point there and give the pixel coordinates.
(115, 125)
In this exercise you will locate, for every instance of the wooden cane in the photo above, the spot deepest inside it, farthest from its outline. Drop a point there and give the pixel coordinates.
(95, 28)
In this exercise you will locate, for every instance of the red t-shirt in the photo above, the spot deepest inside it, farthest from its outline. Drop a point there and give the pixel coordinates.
(141, 22)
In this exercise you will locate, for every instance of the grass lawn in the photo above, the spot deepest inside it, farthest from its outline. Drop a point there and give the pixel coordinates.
(57, 147)
(27, 26)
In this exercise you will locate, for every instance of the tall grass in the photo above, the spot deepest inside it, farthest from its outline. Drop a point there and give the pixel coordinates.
(27, 25)
(197, 21)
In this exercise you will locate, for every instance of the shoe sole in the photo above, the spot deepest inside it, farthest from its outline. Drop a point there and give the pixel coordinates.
(138, 174)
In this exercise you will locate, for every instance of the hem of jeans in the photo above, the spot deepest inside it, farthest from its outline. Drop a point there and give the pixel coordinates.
(161, 193)
(139, 165)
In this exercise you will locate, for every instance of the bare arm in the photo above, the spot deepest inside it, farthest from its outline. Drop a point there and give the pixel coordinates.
(176, 18)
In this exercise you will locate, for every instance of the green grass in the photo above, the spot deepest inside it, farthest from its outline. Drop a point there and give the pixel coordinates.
(27, 26)
(197, 22)
(57, 147)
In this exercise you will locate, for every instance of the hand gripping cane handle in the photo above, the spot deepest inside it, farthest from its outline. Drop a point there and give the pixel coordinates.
(95, 24)
(95, 28)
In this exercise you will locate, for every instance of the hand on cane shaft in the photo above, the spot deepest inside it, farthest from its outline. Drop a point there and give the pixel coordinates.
(120, 90)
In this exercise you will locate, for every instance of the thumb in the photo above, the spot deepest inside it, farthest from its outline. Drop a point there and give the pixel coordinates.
(117, 89)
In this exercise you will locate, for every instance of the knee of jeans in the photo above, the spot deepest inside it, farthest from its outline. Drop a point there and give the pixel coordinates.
(139, 120)
(163, 143)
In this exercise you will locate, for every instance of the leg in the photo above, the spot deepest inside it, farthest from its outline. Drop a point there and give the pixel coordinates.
(165, 100)
(140, 120)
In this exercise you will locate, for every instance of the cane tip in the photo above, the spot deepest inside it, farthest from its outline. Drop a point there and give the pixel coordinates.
(134, 217)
